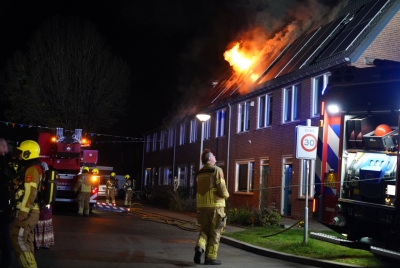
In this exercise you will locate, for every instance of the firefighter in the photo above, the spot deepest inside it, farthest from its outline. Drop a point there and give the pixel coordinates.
(129, 187)
(110, 188)
(84, 187)
(211, 195)
(95, 171)
(26, 188)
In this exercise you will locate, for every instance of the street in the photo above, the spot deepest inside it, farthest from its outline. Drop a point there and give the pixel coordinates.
(115, 239)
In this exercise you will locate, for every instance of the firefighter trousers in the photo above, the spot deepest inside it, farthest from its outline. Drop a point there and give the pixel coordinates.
(110, 195)
(128, 197)
(212, 222)
(22, 238)
(83, 200)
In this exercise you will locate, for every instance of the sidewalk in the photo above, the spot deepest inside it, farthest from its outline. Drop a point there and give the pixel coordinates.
(285, 222)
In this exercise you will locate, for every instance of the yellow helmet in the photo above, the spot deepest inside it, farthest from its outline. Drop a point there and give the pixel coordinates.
(95, 171)
(85, 168)
(127, 177)
(30, 149)
(113, 174)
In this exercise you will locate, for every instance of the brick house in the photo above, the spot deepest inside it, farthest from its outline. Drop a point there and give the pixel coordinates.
(253, 134)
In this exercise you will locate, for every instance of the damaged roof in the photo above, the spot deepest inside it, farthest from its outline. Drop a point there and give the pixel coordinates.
(341, 41)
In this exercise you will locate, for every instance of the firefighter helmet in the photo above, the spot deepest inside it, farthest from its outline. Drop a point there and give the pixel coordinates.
(127, 177)
(95, 171)
(382, 130)
(85, 169)
(113, 174)
(29, 149)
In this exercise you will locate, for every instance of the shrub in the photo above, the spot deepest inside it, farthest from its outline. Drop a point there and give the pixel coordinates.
(241, 216)
(265, 217)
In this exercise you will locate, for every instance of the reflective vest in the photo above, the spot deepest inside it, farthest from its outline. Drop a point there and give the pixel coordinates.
(211, 187)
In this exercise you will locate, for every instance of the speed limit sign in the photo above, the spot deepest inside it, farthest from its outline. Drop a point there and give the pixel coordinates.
(306, 142)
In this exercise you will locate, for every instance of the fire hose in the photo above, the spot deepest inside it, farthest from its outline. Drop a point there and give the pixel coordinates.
(138, 209)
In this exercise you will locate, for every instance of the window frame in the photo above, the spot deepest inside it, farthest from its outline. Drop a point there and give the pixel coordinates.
(220, 117)
(193, 131)
(249, 179)
(243, 117)
(291, 103)
(316, 98)
(265, 111)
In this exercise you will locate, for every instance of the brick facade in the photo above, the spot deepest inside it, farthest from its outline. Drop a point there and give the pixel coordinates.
(273, 144)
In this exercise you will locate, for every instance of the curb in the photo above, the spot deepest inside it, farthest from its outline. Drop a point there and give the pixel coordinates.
(280, 255)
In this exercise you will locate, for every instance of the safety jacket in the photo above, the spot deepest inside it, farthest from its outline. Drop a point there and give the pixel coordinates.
(84, 183)
(26, 188)
(211, 187)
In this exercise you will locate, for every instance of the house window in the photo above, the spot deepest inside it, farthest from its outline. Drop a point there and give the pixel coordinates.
(167, 176)
(193, 130)
(243, 116)
(244, 176)
(163, 134)
(170, 137)
(310, 170)
(182, 132)
(207, 129)
(264, 111)
(182, 176)
(291, 102)
(147, 176)
(319, 84)
(155, 142)
(148, 143)
(220, 123)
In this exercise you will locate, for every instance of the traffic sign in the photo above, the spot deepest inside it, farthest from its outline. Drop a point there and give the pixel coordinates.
(306, 142)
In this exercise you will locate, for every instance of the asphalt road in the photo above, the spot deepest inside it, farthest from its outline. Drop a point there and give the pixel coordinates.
(117, 240)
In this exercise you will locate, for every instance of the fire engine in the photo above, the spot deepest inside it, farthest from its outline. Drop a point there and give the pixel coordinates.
(356, 178)
(67, 156)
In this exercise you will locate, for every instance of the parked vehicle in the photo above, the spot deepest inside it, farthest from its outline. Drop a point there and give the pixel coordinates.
(65, 154)
(356, 180)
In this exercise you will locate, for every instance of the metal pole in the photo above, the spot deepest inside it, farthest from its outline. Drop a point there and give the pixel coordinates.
(305, 176)
(201, 142)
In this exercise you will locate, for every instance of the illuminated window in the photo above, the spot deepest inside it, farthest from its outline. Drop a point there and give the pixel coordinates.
(170, 138)
(163, 135)
(207, 129)
(220, 123)
(243, 116)
(154, 141)
(244, 176)
(182, 170)
(148, 143)
(291, 103)
(193, 130)
(265, 111)
(182, 134)
(319, 84)
(310, 170)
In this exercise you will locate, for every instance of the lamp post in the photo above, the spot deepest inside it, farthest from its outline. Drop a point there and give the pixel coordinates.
(203, 118)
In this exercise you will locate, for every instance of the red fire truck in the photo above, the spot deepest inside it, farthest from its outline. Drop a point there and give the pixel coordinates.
(66, 155)
(356, 179)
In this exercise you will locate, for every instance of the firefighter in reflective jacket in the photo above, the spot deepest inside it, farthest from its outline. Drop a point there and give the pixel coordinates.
(110, 188)
(26, 188)
(84, 187)
(129, 187)
(211, 195)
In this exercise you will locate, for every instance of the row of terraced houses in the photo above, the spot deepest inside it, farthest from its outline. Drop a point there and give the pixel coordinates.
(252, 134)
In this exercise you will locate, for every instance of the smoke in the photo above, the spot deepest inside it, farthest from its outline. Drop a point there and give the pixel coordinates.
(263, 28)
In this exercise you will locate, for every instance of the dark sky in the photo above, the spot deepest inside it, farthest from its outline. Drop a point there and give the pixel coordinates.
(173, 47)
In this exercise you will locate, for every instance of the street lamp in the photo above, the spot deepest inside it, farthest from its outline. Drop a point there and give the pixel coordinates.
(203, 118)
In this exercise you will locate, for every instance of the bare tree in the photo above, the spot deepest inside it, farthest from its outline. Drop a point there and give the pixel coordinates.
(68, 78)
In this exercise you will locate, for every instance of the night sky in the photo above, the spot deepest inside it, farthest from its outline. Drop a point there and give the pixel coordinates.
(172, 47)
(169, 45)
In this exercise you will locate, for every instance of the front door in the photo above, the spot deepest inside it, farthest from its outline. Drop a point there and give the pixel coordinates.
(287, 191)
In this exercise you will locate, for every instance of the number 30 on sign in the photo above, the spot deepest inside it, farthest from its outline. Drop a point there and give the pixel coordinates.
(306, 142)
